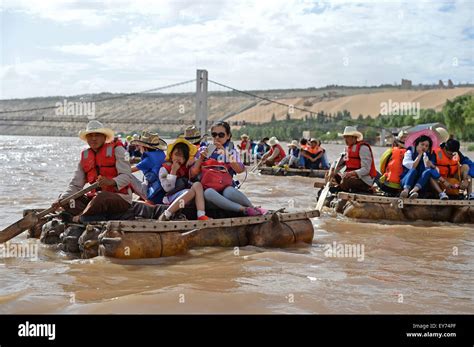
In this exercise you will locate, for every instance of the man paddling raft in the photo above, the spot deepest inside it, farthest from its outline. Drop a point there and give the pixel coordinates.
(359, 163)
(105, 162)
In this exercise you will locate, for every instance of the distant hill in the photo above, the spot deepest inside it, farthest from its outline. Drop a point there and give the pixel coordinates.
(142, 110)
(366, 104)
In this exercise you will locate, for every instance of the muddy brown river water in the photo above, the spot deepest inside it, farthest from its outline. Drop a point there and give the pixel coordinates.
(404, 268)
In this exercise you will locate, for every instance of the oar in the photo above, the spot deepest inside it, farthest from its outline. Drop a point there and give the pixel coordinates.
(32, 218)
(324, 193)
(256, 166)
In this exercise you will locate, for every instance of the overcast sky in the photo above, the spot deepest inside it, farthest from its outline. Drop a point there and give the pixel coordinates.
(54, 47)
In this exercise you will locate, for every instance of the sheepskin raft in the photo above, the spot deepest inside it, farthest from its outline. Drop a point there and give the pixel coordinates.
(281, 171)
(145, 238)
(364, 206)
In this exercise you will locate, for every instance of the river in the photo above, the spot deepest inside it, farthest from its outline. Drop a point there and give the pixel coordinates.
(405, 268)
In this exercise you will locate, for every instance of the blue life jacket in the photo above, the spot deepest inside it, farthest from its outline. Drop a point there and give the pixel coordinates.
(294, 152)
(421, 165)
(260, 149)
(463, 160)
(150, 166)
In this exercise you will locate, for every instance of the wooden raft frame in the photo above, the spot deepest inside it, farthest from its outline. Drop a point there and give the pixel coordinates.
(153, 226)
(275, 170)
(403, 201)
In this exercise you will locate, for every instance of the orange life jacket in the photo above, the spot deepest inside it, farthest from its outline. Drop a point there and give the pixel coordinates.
(394, 167)
(316, 150)
(101, 163)
(304, 147)
(280, 156)
(353, 159)
(447, 167)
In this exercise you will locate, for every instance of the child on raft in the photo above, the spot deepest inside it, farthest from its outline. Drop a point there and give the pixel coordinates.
(174, 178)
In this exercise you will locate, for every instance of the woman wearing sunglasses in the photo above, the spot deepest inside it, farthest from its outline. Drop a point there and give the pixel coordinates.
(222, 151)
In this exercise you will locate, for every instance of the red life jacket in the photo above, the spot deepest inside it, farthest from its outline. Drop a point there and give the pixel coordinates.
(447, 167)
(280, 156)
(182, 178)
(119, 142)
(101, 163)
(183, 170)
(243, 145)
(395, 167)
(353, 159)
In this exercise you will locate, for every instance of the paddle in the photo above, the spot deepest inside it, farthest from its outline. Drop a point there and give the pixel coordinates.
(257, 166)
(324, 193)
(32, 218)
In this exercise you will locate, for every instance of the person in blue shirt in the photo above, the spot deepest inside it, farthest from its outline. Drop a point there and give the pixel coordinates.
(293, 155)
(261, 148)
(153, 156)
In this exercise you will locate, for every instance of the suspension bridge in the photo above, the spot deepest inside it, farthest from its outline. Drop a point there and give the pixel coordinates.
(199, 101)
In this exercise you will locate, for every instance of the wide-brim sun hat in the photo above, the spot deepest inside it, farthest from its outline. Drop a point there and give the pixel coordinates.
(192, 148)
(402, 135)
(192, 134)
(273, 141)
(150, 140)
(442, 134)
(432, 134)
(94, 126)
(293, 143)
(352, 131)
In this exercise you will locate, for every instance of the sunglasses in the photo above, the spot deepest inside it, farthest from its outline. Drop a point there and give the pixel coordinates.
(221, 135)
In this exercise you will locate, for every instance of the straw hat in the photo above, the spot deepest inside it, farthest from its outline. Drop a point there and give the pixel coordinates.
(94, 126)
(192, 148)
(352, 131)
(432, 134)
(150, 140)
(293, 143)
(443, 134)
(192, 134)
(273, 141)
(402, 135)
(244, 136)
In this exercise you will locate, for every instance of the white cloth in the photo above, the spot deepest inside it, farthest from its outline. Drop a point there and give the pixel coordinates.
(168, 181)
(407, 159)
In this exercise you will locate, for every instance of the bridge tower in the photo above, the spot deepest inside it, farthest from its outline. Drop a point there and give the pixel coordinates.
(201, 101)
